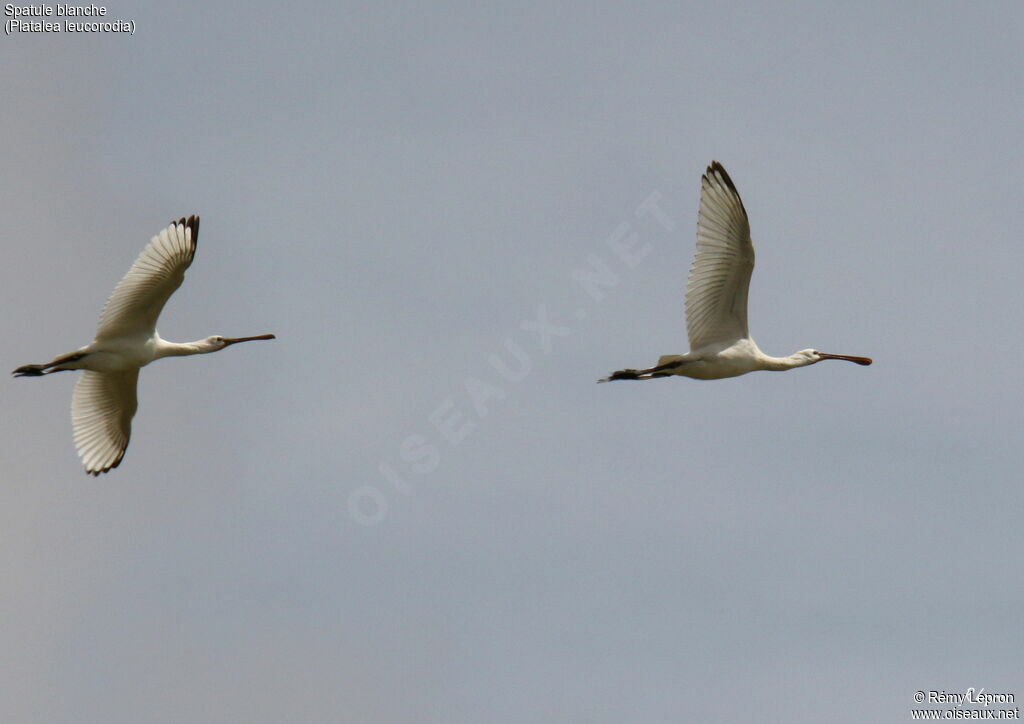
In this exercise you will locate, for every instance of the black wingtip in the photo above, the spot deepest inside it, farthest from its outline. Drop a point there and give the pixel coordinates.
(718, 170)
(191, 223)
(108, 468)
(104, 471)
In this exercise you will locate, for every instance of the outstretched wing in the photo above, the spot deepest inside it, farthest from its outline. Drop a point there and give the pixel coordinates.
(102, 409)
(716, 293)
(140, 296)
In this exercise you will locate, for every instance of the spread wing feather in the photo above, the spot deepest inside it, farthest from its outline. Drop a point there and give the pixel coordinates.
(716, 292)
(102, 408)
(139, 297)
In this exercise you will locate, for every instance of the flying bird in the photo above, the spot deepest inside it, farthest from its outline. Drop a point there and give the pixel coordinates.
(104, 401)
(716, 297)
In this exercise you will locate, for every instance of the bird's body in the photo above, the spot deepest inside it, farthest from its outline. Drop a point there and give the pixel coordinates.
(717, 362)
(716, 297)
(104, 401)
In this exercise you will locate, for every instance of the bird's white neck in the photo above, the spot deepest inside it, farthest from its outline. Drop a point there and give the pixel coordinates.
(163, 348)
(781, 364)
(181, 349)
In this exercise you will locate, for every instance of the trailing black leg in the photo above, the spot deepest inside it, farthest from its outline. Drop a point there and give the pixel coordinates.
(622, 375)
(55, 366)
(665, 370)
(30, 371)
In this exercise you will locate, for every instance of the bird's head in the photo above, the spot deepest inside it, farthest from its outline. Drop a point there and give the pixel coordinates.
(811, 356)
(216, 342)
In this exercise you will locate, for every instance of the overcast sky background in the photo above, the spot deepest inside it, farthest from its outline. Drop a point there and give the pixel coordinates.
(372, 520)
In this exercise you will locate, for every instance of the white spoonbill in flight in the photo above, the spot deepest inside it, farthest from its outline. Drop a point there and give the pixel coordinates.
(104, 400)
(716, 297)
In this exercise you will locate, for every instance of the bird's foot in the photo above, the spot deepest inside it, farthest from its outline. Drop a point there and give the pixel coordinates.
(622, 375)
(30, 371)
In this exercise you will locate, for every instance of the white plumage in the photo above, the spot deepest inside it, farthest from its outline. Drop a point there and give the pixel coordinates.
(716, 293)
(140, 296)
(104, 400)
(102, 408)
(716, 297)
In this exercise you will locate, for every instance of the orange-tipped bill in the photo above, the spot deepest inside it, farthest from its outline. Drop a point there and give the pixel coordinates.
(849, 358)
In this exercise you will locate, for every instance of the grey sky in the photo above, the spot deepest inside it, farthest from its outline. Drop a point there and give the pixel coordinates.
(394, 192)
